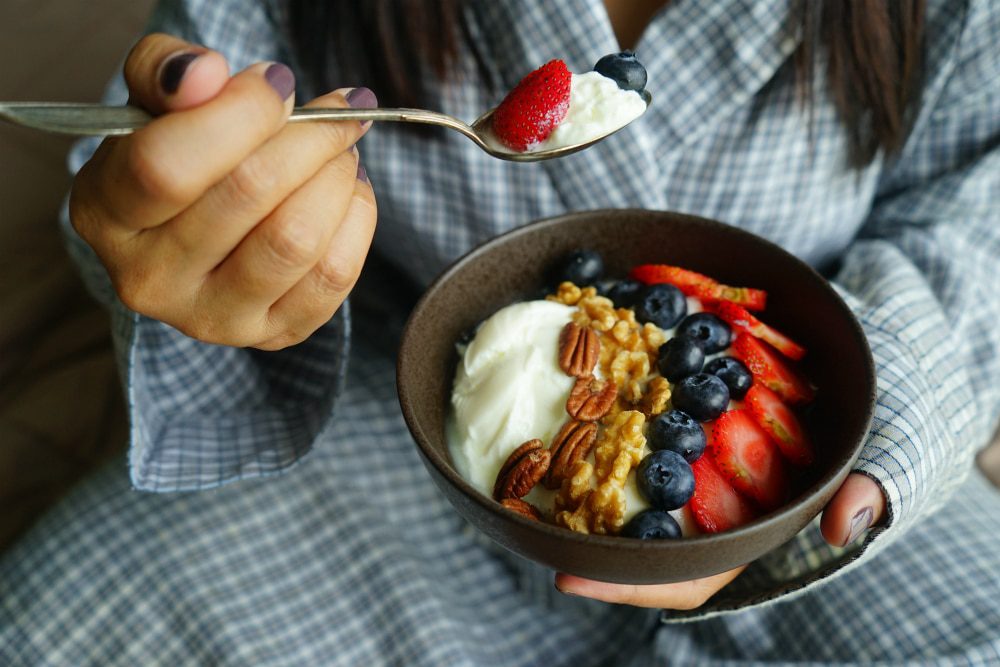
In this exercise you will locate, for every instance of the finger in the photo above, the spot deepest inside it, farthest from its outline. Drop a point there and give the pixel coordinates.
(165, 73)
(857, 505)
(209, 230)
(315, 298)
(164, 167)
(276, 255)
(681, 595)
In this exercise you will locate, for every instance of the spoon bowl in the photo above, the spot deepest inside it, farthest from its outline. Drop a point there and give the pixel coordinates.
(100, 120)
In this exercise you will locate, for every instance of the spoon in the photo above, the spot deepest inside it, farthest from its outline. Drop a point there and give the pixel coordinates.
(95, 119)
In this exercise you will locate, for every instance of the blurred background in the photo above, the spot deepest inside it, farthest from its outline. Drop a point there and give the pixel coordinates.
(60, 399)
(60, 403)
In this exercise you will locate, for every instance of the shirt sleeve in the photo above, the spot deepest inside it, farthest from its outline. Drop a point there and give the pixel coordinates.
(202, 415)
(923, 278)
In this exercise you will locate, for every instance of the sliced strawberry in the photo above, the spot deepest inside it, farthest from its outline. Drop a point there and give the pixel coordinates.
(533, 109)
(772, 415)
(748, 459)
(715, 505)
(742, 320)
(769, 370)
(699, 285)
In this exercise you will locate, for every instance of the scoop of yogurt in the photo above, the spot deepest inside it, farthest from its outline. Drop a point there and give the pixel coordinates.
(597, 107)
(508, 389)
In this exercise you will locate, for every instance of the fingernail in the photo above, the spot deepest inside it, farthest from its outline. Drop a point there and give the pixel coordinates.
(173, 69)
(362, 174)
(281, 79)
(859, 524)
(362, 98)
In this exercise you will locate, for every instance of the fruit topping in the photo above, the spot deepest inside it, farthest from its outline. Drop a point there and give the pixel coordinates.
(741, 320)
(707, 330)
(748, 459)
(701, 286)
(625, 69)
(625, 293)
(731, 371)
(581, 267)
(702, 396)
(680, 357)
(652, 525)
(715, 505)
(533, 109)
(663, 305)
(665, 479)
(679, 432)
(781, 424)
(768, 369)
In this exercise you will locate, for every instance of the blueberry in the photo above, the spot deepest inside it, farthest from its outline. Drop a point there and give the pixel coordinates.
(679, 432)
(731, 371)
(680, 357)
(652, 525)
(706, 328)
(665, 479)
(625, 293)
(581, 267)
(625, 69)
(663, 305)
(702, 396)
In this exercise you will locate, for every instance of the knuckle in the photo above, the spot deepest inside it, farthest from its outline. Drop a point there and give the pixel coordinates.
(251, 179)
(292, 240)
(334, 278)
(155, 175)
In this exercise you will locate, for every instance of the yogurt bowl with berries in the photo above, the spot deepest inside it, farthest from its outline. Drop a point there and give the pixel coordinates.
(507, 395)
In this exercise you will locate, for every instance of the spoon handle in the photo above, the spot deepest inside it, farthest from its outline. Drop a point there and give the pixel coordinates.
(96, 119)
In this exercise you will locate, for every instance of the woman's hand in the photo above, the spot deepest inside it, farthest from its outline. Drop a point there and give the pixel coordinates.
(219, 218)
(857, 505)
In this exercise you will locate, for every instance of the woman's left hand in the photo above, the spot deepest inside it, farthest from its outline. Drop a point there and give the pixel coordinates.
(856, 506)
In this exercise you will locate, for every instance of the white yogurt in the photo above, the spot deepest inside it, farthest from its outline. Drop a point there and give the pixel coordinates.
(597, 106)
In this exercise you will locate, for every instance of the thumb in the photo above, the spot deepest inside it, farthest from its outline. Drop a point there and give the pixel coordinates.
(857, 505)
(165, 73)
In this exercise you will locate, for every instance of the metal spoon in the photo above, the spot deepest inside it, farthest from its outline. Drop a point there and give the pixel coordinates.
(95, 119)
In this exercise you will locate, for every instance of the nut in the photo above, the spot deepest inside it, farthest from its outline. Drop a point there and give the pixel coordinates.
(522, 507)
(590, 398)
(567, 293)
(573, 443)
(525, 466)
(579, 348)
(657, 395)
(628, 370)
(602, 509)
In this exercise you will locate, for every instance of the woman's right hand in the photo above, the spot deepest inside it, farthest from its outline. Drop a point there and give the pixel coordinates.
(218, 218)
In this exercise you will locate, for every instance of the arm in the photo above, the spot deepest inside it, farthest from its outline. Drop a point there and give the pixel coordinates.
(204, 413)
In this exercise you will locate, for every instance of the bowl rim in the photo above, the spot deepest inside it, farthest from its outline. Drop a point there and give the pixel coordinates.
(819, 488)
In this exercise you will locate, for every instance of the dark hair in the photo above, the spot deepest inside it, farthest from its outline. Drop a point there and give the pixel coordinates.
(874, 52)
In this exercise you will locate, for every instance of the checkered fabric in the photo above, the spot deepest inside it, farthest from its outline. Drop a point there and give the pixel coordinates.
(353, 557)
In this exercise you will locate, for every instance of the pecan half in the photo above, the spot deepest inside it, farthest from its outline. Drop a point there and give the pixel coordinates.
(579, 349)
(523, 508)
(525, 466)
(573, 443)
(590, 399)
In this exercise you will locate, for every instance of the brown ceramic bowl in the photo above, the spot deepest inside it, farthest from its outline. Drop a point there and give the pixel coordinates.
(512, 267)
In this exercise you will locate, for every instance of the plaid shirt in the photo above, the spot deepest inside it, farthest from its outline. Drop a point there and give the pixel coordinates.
(354, 558)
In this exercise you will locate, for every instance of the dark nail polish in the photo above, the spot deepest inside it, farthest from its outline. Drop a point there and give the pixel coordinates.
(860, 523)
(362, 98)
(362, 174)
(281, 79)
(172, 72)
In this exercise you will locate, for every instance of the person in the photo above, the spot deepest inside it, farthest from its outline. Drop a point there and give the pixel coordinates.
(225, 243)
